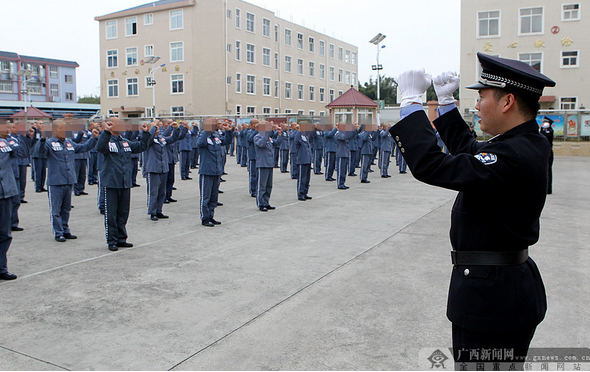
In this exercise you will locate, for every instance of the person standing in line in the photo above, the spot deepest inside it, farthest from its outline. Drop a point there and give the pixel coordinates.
(399, 159)
(81, 161)
(386, 150)
(194, 147)
(303, 159)
(366, 139)
(172, 150)
(330, 148)
(93, 160)
(276, 145)
(117, 179)
(264, 147)
(343, 135)
(292, 152)
(253, 175)
(284, 148)
(547, 132)
(354, 146)
(24, 161)
(318, 149)
(133, 135)
(14, 140)
(39, 161)
(61, 175)
(185, 153)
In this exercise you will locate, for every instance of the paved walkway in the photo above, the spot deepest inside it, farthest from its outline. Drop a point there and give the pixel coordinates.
(351, 280)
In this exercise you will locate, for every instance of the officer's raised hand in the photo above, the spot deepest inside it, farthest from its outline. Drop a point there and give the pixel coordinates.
(444, 86)
(144, 127)
(412, 86)
(95, 132)
(108, 126)
(174, 125)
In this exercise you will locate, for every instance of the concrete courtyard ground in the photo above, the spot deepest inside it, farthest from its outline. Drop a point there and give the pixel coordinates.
(352, 280)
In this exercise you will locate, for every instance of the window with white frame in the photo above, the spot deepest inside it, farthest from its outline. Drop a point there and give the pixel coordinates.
(288, 87)
(332, 72)
(311, 45)
(311, 69)
(5, 66)
(311, 113)
(277, 61)
(322, 71)
(35, 68)
(250, 19)
(533, 59)
(354, 58)
(300, 112)
(131, 56)
(331, 95)
(6, 86)
(34, 88)
(332, 49)
(266, 57)
(300, 66)
(177, 83)
(570, 12)
(111, 27)
(238, 83)
(176, 21)
(113, 88)
(347, 78)
(340, 53)
(276, 111)
(288, 111)
(53, 73)
(112, 61)
(353, 82)
(347, 56)
(69, 79)
(340, 75)
(228, 47)
(299, 41)
(531, 20)
(266, 27)
(568, 103)
(322, 48)
(322, 94)
(287, 63)
(228, 80)
(251, 110)
(311, 93)
(266, 86)
(322, 113)
(149, 83)
(54, 90)
(148, 19)
(250, 51)
(228, 13)
(488, 23)
(177, 51)
(238, 109)
(69, 96)
(177, 110)
(569, 59)
(148, 51)
(238, 50)
(132, 87)
(131, 26)
(238, 18)
(276, 89)
(340, 93)
(276, 33)
(250, 84)
(300, 92)
(287, 37)
(266, 110)
(149, 112)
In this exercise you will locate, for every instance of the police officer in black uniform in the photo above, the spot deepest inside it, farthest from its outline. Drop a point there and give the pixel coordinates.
(547, 131)
(496, 295)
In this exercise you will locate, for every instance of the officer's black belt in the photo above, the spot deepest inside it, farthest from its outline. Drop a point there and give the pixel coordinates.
(491, 258)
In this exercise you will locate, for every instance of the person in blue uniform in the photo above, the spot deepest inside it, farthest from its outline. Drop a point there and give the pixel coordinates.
(399, 159)
(194, 147)
(276, 145)
(547, 132)
(133, 135)
(253, 174)
(385, 151)
(23, 161)
(185, 152)
(343, 135)
(496, 296)
(366, 139)
(81, 161)
(117, 178)
(264, 147)
(354, 146)
(292, 152)
(210, 141)
(61, 175)
(330, 149)
(318, 149)
(243, 133)
(303, 158)
(172, 150)
(93, 161)
(284, 148)
(8, 190)
(39, 161)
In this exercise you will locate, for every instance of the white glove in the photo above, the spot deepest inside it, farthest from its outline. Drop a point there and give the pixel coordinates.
(444, 85)
(412, 85)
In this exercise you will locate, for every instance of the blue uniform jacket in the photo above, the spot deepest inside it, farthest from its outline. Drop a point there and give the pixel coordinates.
(8, 152)
(318, 140)
(156, 156)
(173, 147)
(210, 151)
(302, 148)
(386, 141)
(35, 149)
(81, 137)
(366, 139)
(116, 168)
(284, 143)
(25, 143)
(184, 144)
(250, 143)
(292, 134)
(60, 159)
(329, 140)
(263, 144)
(342, 138)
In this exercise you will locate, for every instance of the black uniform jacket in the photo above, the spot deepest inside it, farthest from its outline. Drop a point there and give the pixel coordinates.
(502, 187)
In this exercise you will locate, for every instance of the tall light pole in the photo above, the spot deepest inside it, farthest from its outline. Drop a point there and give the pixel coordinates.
(376, 41)
(152, 82)
(26, 77)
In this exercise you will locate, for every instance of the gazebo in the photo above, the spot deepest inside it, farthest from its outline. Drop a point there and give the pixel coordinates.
(32, 113)
(353, 107)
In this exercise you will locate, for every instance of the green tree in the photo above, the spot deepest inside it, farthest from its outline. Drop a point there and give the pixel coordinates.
(89, 99)
(387, 88)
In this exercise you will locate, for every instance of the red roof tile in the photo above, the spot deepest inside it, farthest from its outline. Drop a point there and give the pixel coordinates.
(32, 112)
(352, 98)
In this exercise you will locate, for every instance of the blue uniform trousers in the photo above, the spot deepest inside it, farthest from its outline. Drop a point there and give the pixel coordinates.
(170, 180)
(385, 158)
(244, 161)
(330, 164)
(100, 196)
(317, 163)
(294, 167)
(22, 181)
(284, 160)
(238, 154)
(365, 165)
(209, 187)
(184, 163)
(253, 176)
(232, 147)
(156, 191)
(116, 214)
(93, 168)
(134, 170)
(5, 231)
(399, 160)
(276, 152)
(264, 187)
(81, 166)
(15, 207)
(352, 162)
(40, 166)
(60, 204)
(303, 177)
(341, 170)
(194, 157)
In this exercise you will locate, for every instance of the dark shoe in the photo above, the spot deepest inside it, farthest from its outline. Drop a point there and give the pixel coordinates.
(215, 222)
(207, 223)
(320, 173)
(371, 171)
(331, 179)
(263, 209)
(153, 217)
(113, 247)
(166, 201)
(70, 236)
(253, 195)
(385, 176)
(83, 193)
(221, 180)
(352, 175)
(17, 228)
(136, 185)
(224, 174)
(23, 201)
(71, 206)
(43, 189)
(7, 276)
(188, 178)
(403, 172)
(365, 181)
(344, 188)
(219, 192)
(161, 215)
(308, 197)
(172, 200)
(124, 245)
(101, 211)
(173, 188)
(38, 191)
(219, 204)
(302, 199)
(60, 239)
(77, 194)
(270, 208)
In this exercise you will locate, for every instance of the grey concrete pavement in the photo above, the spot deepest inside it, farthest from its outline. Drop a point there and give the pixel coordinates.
(352, 280)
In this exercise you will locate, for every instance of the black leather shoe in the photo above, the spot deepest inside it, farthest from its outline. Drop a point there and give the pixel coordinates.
(83, 193)
(352, 174)
(301, 199)
(16, 228)
(263, 209)
(219, 204)
(253, 195)
(124, 245)
(136, 185)
(221, 180)
(23, 201)
(113, 247)
(403, 172)
(60, 239)
(219, 192)
(188, 178)
(215, 222)
(331, 179)
(172, 200)
(70, 236)
(166, 201)
(153, 217)
(224, 174)
(343, 188)
(207, 223)
(365, 181)
(270, 208)
(101, 212)
(7, 276)
(173, 188)
(161, 215)
(308, 197)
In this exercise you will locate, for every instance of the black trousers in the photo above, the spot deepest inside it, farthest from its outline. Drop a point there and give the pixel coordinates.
(116, 215)
(470, 348)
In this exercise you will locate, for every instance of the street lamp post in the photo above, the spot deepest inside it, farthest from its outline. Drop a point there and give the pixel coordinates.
(152, 82)
(26, 76)
(376, 41)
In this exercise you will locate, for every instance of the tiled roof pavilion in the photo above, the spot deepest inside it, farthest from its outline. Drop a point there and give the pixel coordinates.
(352, 98)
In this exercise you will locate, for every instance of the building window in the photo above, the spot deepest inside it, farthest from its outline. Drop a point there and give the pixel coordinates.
(287, 37)
(322, 94)
(288, 111)
(569, 59)
(5, 66)
(251, 110)
(131, 26)
(69, 79)
(266, 57)
(354, 58)
(300, 112)
(340, 54)
(311, 44)
(287, 64)
(332, 73)
(250, 22)
(250, 84)
(571, 12)
(568, 103)
(250, 50)
(149, 82)
(131, 56)
(266, 27)
(300, 92)
(311, 113)
(299, 41)
(322, 48)
(34, 88)
(148, 51)
(176, 19)
(35, 69)
(488, 23)
(332, 49)
(54, 90)
(331, 95)
(353, 82)
(177, 111)
(228, 13)
(111, 29)
(340, 93)
(322, 71)
(238, 83)
(149, 112)
(266, 86)
(311, 69)
(177, 51)
(69, 96)
(347, 56)
(228, 47)
(113, 88)
(531, 21)
(276, 89)
(132, 87)
(312, 93)
(300, 66)
(322, 113)
(533, 59)
(148, 19)
(177, 82)
(111, 60)
(288, 91)
(5, 86)
(347, 80)
(238, 50)
(276, 33)
(266, 110)
(340, 75)
(238, 109)
(53, 70)
(276, 61)
(238, 18)
(228, 80)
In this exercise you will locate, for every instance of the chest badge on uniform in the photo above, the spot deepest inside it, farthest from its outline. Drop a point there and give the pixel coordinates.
(487, 158)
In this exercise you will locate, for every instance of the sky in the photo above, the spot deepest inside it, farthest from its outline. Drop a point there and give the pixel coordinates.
(420, 33)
